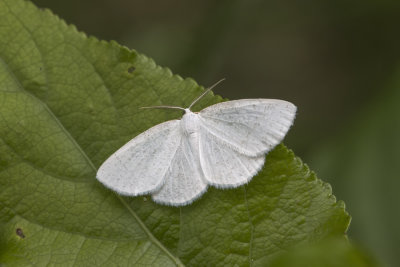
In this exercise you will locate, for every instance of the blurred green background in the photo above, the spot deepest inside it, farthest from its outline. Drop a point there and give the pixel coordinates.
(338, 61)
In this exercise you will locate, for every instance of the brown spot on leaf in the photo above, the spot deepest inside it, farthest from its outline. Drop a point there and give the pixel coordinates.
(20, 233)
(131, 69)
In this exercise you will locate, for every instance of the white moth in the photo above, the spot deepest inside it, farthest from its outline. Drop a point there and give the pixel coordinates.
(223, 145)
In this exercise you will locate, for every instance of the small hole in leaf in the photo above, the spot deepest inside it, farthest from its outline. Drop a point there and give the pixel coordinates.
(131, 69)
(20, 233)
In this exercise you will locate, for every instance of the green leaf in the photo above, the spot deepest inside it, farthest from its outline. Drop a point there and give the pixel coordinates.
(66, 103)
(328, 253)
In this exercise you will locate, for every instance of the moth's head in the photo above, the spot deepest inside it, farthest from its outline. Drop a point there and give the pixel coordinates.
(189, 123)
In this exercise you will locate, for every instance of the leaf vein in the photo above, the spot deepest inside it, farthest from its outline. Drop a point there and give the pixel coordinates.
(252, 227)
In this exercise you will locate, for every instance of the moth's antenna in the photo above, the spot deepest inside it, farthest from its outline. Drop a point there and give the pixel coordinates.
(163, 107)
(205, 92)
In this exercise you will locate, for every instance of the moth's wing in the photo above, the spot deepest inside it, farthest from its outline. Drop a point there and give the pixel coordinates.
(184, 181)
(223, 166)
(139, 167)
(250, 126)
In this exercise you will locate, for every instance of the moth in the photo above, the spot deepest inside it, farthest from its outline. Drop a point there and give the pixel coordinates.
(223, 145)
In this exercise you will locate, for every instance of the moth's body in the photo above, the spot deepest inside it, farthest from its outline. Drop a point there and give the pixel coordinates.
(190, 123)
(189, 127)
(223, 145)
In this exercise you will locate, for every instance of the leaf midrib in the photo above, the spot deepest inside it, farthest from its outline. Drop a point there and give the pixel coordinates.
(151, 237)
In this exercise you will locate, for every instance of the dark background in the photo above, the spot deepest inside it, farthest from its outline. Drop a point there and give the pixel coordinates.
(338, 61)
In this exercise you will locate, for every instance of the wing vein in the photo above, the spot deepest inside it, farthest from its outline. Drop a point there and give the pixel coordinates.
(213, 131)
